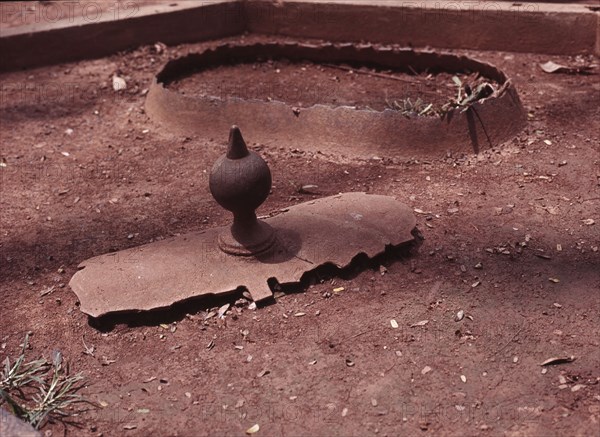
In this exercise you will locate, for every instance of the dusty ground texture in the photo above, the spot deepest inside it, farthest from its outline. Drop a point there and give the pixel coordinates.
(508, 240)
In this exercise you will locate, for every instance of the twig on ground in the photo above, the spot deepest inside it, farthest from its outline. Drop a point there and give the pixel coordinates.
(371, 73)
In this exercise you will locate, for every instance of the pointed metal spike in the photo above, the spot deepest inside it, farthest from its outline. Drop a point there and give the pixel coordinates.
(237, 146)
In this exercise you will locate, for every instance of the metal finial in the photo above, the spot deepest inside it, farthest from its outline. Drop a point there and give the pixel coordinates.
(240, 182)
(237, 146)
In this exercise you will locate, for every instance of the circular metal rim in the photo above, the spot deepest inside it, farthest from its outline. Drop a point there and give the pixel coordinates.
(339, 130)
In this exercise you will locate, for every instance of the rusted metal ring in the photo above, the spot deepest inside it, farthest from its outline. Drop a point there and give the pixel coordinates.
(341, 130)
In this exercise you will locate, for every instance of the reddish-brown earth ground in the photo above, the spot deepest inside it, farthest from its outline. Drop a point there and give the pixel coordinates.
(305, 84)
(517, 211)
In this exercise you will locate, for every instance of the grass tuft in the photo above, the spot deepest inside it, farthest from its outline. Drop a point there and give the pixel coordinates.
(38, 391)
(466, 95)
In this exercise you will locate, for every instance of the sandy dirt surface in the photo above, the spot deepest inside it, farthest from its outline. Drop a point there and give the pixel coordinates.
(304, 84)
(511, 239)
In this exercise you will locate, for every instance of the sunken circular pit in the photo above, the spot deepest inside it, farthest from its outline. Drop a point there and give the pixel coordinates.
(342, 99)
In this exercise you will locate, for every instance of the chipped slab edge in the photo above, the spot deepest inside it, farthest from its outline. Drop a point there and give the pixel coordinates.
(83, 282)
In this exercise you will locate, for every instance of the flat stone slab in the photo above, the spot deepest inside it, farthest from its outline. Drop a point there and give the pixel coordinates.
(157, 275)
(11, 426)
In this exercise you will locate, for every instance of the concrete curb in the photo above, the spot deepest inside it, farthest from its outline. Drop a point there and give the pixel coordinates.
(480, 25)
(519, 27)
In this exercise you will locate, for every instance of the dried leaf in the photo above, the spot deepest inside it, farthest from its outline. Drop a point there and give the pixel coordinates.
(263, 373)
(558, 360)
(47, 291)
(551, 67)
(223, 310)
(253, 429)
(87, 350)
(308, 189)
(421, 323)
(420, 211)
